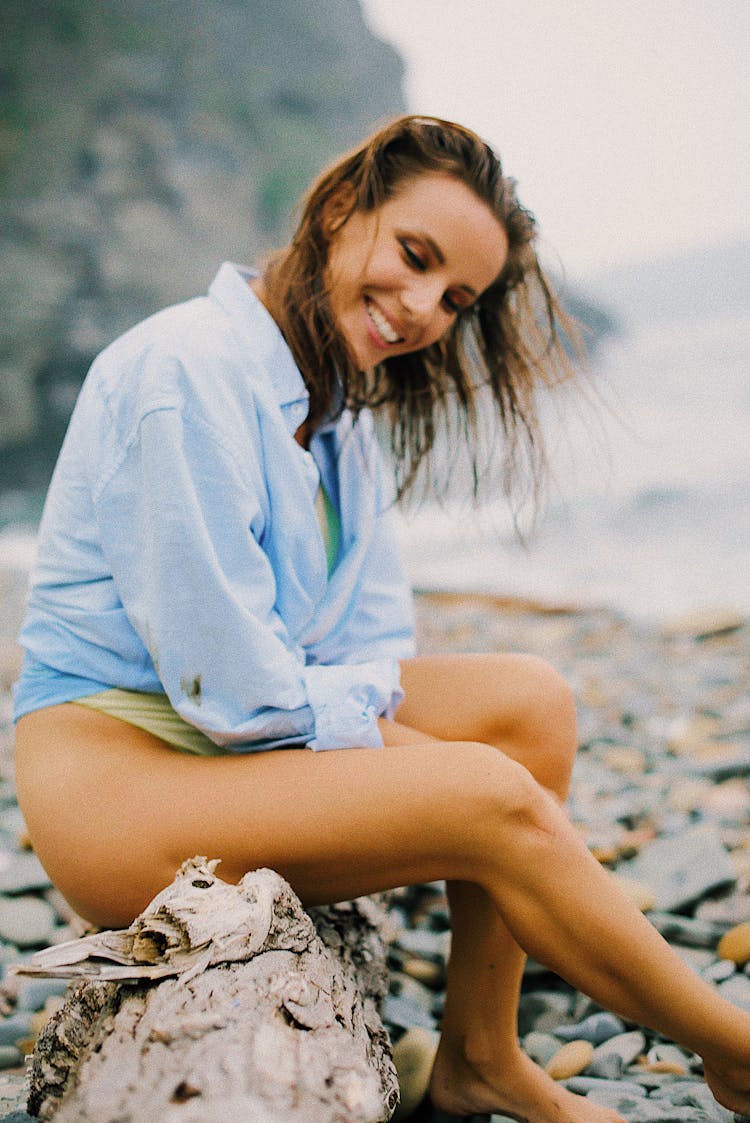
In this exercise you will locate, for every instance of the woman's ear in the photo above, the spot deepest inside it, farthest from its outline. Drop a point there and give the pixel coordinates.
(338, 208)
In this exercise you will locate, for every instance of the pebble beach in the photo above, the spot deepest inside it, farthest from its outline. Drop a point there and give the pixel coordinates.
(660, 795)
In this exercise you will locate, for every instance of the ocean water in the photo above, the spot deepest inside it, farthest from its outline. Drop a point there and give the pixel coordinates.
(649, 508)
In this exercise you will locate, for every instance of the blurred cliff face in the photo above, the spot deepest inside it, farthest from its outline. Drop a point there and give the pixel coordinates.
(141, 143)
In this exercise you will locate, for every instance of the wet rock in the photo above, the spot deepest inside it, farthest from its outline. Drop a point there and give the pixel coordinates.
(571, 1060)
(413, 1056)
(719, 971)
(425, 943)
(425, 971)
(735, 944)
(541, 1047)
(683, 869)
(26, 921)
(737, 990)
(612, 1057)
(10, 1056)
(687, 930)
(21, 872)
(584, 1085)
(404, 1013)
(33, 994)
(667, 1059)
(15, 1028)
(596, 1029)
(704, 625)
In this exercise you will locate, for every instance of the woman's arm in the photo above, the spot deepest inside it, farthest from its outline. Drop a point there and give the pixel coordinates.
(182, 526)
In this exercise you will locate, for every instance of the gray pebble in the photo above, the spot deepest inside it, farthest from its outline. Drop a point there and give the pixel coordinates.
(14, 1028)
(584, 1085)
(686, 930)
(737, 990)
(645, 1110)
(719, 970)
(405, 1012)
(612, 1057)
(596, 1029)
(694, 1094)
(22, 872)
(683, 868)
(33, 993)
(27, 921)
(424, 942)
(10, 1057)
(541, 1047)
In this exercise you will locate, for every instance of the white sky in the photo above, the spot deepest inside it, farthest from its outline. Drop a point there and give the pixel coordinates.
(625, 122)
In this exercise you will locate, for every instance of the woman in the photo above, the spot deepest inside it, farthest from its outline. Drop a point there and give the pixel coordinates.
(184, 599)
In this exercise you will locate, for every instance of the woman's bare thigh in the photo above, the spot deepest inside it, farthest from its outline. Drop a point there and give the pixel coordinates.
(112, 811)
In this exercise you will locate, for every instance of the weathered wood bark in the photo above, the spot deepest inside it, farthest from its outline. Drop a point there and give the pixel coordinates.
(219, 1003)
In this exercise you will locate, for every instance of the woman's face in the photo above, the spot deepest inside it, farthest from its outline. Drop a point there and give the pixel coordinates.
(399, 275)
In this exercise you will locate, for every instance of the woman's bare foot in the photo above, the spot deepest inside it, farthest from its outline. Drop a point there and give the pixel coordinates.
(730, 1086)
(521, 1090)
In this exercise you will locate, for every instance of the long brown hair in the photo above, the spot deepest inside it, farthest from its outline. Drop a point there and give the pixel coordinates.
(509, 341)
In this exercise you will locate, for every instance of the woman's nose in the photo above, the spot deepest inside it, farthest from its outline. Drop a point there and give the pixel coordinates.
(422, 300)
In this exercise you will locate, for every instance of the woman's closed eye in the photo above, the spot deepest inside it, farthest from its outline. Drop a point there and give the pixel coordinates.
(452, 304)
(413, 257)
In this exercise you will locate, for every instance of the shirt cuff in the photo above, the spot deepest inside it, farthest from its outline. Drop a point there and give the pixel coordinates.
(348, 699)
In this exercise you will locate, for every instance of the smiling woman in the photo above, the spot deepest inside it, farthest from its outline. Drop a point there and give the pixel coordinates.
(217, 580)
(399, 276)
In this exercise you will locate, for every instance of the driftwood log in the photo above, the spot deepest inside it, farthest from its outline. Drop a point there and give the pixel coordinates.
(220, 1002)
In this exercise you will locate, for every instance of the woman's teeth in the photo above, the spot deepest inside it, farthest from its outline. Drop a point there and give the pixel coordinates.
(384, 329)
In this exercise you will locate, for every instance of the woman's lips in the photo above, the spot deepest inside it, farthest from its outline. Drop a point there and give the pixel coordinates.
(385, 330)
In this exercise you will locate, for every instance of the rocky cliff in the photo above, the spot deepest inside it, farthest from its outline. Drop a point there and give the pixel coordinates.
(142, 142)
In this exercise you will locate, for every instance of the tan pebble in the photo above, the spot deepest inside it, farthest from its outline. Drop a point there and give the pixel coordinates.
(730, 799)
(735, 944)
(740, 859)
(606, 854)
(642, 896)
(571, 1060)
(709, 752)
(686, 733)
(633, 841)
(413, 1056)
(703, 624)
(622, 758)
(424, 971)
(593, 696)
(688, 795)
(671, 1067)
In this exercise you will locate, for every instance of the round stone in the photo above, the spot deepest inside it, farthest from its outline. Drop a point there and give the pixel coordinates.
(571, 1060)
(413, 1056)
(425, 971)
(735, 944)
(26, 921)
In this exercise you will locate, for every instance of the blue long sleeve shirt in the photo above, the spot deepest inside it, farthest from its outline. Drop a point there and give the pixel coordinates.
(180, 550)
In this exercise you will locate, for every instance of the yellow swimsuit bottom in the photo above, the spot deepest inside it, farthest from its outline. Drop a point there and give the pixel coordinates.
(155, 714)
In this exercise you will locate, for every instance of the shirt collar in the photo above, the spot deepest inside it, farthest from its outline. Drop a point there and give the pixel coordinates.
(259, 334)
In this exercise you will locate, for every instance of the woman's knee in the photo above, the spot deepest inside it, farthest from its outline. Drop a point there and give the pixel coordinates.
(500, 803)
